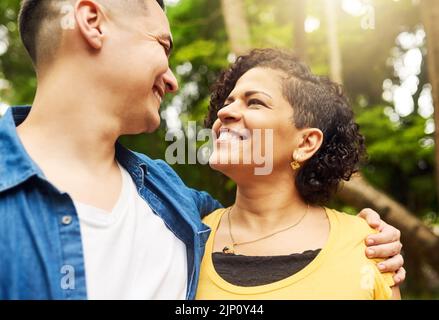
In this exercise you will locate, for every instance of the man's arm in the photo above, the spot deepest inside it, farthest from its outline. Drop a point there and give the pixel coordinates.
(385, 244)
(205, 203)
(396, 294)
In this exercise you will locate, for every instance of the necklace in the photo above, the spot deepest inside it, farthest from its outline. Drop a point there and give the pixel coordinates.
(231, 249)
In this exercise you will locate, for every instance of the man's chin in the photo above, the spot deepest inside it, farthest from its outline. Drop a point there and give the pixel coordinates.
(147, 125)
(150, 121)
(152, 129)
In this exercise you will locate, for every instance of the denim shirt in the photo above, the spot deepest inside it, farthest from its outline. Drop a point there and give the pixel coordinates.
(41, 253)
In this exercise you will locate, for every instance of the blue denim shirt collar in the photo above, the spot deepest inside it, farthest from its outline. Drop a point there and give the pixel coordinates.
(16, 166)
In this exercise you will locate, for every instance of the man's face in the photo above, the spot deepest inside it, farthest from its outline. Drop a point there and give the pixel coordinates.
(136, 54)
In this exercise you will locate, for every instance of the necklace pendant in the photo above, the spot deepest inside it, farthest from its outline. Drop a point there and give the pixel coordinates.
(227, 250)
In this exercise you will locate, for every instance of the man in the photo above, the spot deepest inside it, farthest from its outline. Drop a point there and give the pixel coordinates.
(81, 216)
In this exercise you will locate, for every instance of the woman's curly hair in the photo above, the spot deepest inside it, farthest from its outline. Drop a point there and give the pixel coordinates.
(317, 102)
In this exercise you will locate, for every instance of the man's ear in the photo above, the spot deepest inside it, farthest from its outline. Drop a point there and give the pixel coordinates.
(310, 143)
(89, 17)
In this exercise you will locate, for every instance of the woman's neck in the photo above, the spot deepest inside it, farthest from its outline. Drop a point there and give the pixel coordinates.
(260, 206)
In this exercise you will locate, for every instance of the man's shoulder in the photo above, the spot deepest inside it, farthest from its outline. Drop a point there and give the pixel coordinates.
(148, 160)
(159, 172)
(155, 165)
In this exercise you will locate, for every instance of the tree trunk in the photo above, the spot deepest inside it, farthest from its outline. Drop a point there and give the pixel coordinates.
(334, 48)
(430, 17)
(236, 26)
(360, 194)
(299, 16)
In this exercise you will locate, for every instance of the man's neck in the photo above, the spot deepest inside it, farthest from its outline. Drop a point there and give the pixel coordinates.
(73, 143)
(71, 126)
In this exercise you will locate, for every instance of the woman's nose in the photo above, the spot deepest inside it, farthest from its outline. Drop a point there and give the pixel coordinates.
(229, 113)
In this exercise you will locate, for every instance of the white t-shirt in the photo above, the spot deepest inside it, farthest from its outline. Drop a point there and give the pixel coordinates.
(129, 252)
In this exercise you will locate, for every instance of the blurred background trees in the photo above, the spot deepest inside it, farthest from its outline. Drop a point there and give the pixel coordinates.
(384, 51)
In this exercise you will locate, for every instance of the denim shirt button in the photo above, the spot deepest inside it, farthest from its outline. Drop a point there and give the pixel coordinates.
(66, 220)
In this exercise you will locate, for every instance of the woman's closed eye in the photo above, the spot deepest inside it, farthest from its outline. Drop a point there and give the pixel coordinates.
(256, 103)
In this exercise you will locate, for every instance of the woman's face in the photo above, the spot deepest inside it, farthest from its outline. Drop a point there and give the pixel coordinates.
(255, 124)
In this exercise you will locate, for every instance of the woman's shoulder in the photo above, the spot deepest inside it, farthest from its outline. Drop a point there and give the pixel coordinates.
(351, 224)
(212, 218)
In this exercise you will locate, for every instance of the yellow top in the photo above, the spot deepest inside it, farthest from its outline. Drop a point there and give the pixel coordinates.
(340, 271)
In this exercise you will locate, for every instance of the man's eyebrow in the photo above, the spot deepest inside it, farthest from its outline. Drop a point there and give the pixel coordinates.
(250, 93)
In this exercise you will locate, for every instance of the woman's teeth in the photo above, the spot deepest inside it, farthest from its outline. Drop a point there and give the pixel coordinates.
(228, 136)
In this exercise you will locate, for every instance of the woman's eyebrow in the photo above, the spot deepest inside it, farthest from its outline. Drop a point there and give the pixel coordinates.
(250, 93)
(230, 99)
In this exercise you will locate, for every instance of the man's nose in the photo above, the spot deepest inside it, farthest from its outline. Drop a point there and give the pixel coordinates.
(170, 81)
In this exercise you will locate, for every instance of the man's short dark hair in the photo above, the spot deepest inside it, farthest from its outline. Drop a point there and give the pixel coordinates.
(39, 33)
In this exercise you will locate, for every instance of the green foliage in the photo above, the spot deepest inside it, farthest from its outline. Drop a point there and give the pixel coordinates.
(399, 161)
(15, 65)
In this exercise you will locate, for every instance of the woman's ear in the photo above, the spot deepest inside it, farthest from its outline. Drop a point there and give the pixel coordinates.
(89, 17)
(310, 143)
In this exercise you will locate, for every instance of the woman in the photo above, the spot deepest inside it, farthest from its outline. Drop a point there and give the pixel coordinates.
(277, 241)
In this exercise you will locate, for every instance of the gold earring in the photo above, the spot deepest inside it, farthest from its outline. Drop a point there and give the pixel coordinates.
(295, 165)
